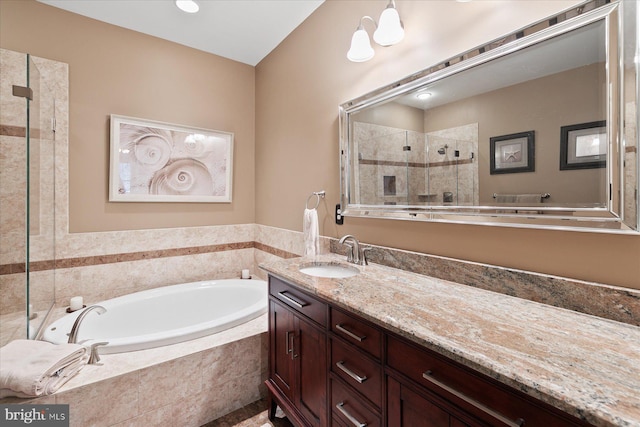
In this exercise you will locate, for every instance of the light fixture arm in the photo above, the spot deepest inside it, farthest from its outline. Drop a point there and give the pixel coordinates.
(361, 24)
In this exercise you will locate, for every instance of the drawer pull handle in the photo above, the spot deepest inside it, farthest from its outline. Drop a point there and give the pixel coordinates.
(290, 344)
(340, 407)
(351, 334)
(428, 375)
(349, 372)
(293, 301)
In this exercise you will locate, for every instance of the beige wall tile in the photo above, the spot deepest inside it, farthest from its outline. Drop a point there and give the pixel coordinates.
(167, 382)
(103, 403)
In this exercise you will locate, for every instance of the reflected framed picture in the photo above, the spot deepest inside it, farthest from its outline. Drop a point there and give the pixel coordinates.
(512, 153)
(583, 146)
(161, 162)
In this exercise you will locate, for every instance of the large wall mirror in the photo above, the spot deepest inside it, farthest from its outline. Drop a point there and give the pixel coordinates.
(537, 129)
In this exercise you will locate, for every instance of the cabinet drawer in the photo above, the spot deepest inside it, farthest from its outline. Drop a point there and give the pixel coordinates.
(298, 300)
(477, 394)
(349, 409)
(360, 372)
(357, 332)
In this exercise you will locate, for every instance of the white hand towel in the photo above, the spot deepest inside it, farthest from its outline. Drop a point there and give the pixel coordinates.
(30, 368)
(311, 233)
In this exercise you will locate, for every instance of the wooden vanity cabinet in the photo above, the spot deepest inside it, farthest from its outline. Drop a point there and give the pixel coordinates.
(329, 367)
(297, 355)
(357, 375)
(412, 407)
(454, 394)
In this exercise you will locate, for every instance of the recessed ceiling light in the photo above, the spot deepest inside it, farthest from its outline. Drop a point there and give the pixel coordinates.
(188, 6)
(423, 95)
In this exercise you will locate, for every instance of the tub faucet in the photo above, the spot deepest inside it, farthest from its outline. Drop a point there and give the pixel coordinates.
(355, 254)
(73, 335)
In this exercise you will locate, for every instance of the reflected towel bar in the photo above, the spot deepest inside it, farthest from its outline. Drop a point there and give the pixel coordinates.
(543, 195)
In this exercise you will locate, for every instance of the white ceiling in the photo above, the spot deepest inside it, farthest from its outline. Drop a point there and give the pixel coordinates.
(242, 30)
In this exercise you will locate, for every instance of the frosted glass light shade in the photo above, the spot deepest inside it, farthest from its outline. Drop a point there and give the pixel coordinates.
(361, 49)
(389, 31)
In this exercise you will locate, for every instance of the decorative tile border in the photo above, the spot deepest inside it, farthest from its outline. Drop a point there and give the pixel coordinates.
(138, 256)
(423, 165)
(274, 251)
(8, 130)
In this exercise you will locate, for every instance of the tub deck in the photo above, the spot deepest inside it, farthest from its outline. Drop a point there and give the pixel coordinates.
(188, 384)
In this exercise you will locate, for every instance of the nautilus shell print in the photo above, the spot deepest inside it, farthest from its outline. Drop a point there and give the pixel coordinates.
(152, 150)
(171, 163)
(184, 176)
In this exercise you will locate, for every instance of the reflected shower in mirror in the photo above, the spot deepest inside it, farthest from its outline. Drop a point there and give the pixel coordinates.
(523, 131)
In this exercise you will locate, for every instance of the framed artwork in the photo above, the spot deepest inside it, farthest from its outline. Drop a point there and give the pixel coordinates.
(161, 162)
(512, 153)
(583, 146)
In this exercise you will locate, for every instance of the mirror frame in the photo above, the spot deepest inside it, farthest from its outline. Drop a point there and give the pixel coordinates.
(607, 219)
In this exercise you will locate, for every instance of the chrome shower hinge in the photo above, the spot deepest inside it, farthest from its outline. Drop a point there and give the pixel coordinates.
(23, 92)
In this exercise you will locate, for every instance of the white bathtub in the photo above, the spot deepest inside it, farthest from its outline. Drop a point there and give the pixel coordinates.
(167, 315)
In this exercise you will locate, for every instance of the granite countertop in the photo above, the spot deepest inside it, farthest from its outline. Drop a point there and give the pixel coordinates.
(585, 365)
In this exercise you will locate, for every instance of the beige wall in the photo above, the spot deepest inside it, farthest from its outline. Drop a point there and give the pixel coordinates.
(117, 71)
(300, 85)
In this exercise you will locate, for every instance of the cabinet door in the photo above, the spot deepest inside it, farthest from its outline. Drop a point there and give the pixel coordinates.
(311, 353)
(407, 408)
(281, 334)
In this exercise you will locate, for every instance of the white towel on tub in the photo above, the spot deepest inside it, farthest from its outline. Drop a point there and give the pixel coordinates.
(311, 233)
(30, 368)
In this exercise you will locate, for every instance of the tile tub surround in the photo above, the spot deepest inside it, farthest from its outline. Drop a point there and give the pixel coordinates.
(609, 302)
(109, 264)
(101, 266)
(582, 364)
(187, 384)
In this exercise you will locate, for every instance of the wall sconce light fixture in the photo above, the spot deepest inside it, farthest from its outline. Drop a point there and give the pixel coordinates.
(388, 32)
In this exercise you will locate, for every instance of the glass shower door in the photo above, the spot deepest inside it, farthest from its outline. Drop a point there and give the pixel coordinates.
(40, 195)
(27, 180)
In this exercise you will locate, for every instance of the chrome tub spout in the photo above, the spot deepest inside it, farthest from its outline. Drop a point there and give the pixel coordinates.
(73, 335)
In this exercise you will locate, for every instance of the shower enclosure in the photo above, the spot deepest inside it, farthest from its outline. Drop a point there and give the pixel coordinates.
(407, 167)
(27, 197)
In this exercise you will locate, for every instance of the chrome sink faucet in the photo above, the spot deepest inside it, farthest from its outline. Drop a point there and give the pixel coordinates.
(73, 335)
(355, 254)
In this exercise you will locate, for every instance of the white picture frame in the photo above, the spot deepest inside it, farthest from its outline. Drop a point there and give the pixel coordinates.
(152, 161)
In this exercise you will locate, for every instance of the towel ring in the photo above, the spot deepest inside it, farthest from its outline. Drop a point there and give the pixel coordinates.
(319, 195)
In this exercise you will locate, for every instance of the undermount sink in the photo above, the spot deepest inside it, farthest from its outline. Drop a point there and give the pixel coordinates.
(330, 270)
